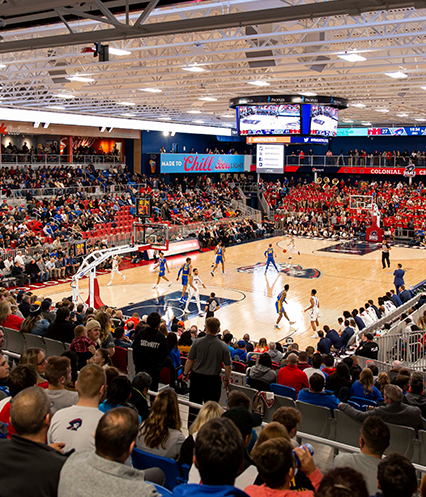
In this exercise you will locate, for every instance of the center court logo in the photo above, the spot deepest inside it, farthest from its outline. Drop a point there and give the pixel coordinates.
(293, 271)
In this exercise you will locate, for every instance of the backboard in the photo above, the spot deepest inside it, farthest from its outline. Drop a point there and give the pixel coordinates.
(361, 202)
(154, 234)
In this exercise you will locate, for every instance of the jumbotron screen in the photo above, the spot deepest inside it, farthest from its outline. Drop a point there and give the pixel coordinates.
(324, 120)
(269, 119)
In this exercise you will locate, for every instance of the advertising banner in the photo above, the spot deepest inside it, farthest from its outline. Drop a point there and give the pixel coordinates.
(409, 131)
(201, 163)
(409, 171)
(179, 247)
(270, 159)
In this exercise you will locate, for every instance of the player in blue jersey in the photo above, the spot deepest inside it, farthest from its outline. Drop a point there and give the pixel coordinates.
(220, 257)
(279, 304)
(186, 270)
(270, 254)
(162, 264)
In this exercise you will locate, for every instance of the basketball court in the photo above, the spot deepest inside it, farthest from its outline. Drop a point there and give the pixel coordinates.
(344, 279)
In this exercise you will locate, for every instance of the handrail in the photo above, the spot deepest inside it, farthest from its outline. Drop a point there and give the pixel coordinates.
(9, 158)
(348, 160)
(254, 214)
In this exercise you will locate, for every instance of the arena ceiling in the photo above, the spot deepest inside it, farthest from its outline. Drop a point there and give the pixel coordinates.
(289, 46)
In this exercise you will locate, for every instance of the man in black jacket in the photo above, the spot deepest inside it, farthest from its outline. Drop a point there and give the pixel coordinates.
(28, 465)
(150, 348)
(368, 348)
(62, 328)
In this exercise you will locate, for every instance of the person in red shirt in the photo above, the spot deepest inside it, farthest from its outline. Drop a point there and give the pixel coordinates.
(291, 376)
(7, 319)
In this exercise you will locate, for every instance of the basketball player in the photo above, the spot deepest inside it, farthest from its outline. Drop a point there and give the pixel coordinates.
(292, 245)
(270, 254)
(193, 291)
(220, 257)
(314, 314)
(185, 269)
(162, 263)
(116, 261)
(279, 305)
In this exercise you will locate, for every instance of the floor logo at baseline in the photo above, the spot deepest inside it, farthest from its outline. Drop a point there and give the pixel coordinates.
(169, 305)
(293, 271)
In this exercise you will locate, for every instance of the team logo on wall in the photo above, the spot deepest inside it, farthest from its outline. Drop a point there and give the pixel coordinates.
(293, 271)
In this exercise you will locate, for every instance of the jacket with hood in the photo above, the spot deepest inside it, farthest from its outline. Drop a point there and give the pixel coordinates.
(416, 400)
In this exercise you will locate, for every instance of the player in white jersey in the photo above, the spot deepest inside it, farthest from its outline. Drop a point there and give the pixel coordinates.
(116, 261)
(193, 290)
(292, 247)
(314, 312)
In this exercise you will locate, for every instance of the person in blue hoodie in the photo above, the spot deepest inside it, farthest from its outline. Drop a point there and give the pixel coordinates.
(218, 455)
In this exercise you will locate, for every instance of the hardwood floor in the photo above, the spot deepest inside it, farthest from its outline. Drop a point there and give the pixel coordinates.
(345, 281)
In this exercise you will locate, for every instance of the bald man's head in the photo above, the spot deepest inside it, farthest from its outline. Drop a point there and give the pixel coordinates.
(28, 411)
(292, 359)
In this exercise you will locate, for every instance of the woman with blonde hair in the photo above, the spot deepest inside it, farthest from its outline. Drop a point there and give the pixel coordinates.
(106, 338)
(382, 381)
(421, 322)
(35, 323)
(7, 319)
(210, 410)
(37, 358)
(160, 434)
(262, 346)
(364, 387)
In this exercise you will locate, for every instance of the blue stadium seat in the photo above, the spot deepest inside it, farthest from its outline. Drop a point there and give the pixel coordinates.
(175, 475)
(363, 402)
(161, 490)
(283, 391)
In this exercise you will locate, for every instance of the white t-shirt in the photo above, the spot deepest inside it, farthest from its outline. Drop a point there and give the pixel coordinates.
(75, 426)
(196, 281)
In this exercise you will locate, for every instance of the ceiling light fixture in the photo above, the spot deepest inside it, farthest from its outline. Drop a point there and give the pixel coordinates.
(382, 110)
(366, 123)
(194, 112)
(208, 99)
(402, 115)
(423, 87)
(228, 115)
(348, 120)
(259, 82)
(420, 119)
(65, 96)
(358, 105)
(397, 75)
(198, 122)
(165, 133)
(56, 107)
(194, 68)
(2, 66)
(127, 104)
(165, 118)
(308, 93)
(118, 51)
(81, 79)
(128, 115)
(351, 57)
(151, 90)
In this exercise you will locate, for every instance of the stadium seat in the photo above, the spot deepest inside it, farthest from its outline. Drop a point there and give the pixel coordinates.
(250, 392)
(119, 359)
(363, 402)
(401, 440)
(283, 391)
(34, 341)
(174, 476)
(316, 420)
(259, 385)
(15, 341)
(347, 429)
(130, 364)
(161, 490)
(240, 367)
(278, 402)
(53, 347)
(422, 443)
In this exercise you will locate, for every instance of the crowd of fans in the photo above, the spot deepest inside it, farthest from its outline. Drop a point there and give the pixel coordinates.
(51, 152)
(92, 416)
(324, 211)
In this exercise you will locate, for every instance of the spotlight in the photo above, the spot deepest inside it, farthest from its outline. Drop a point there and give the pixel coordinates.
(36, 125)
(109, 130)
(46, 125)
(102, 129)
